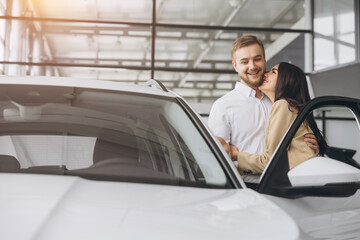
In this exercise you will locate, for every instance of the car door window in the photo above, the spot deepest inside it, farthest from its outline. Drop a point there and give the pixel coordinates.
(338, 119)
(340, 127)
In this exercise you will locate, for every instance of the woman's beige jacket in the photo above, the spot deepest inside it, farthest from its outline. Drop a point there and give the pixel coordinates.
(281, 116)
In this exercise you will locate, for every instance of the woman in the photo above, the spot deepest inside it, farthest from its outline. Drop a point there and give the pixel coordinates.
(286, 87)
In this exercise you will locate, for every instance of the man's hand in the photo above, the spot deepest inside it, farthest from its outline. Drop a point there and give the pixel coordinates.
(311, 141)
(225, 145)
(234, 152)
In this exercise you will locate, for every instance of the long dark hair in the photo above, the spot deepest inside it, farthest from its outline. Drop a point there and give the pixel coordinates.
(291, 85)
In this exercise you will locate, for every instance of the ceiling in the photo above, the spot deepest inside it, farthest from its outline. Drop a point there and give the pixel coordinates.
(112, 39)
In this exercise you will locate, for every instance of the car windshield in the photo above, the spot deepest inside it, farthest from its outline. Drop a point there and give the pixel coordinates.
(103, 135)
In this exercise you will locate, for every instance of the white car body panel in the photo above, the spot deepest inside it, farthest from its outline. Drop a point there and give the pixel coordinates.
(58, 207)
(325, 217)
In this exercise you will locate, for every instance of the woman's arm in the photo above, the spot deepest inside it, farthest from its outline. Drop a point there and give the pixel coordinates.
(280, 119)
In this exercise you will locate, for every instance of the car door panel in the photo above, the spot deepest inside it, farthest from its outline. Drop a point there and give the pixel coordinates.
(328, 211)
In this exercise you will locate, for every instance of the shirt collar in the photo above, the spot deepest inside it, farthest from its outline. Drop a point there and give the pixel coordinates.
(246, 90)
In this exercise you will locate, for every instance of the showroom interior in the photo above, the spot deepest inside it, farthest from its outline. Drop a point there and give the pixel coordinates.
(186, 44)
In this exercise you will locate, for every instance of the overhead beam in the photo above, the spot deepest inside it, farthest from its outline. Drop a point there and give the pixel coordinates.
(125, 31)
(129, 67)
(139, 62)
(180, 26)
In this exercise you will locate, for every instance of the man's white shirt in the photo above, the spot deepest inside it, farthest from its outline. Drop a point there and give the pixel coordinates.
(241, 119)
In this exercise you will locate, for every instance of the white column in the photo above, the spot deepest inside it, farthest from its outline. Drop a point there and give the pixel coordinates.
(38, 55)
(17, 37)
(49, 71)
(309, 41)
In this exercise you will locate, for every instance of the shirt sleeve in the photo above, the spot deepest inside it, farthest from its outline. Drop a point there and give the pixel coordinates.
(280, 119)
(218, 122)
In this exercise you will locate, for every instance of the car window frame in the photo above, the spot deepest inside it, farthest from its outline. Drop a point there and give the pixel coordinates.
(214, 147)
(274, 180)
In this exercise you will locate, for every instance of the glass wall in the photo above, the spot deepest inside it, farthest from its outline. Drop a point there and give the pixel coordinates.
(334, 33)
(185, 44)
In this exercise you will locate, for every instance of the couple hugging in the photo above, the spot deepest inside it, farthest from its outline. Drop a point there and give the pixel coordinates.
(251, 120)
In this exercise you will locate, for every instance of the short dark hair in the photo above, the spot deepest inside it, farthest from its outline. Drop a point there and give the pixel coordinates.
(292, 86)
(245, 41)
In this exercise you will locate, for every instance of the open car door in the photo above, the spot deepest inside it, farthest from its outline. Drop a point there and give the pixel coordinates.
(322, 194)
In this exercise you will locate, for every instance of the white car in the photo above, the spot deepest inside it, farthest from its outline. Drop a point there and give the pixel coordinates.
(103, 160)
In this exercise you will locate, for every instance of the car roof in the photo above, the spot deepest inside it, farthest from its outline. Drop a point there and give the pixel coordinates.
(87, 83)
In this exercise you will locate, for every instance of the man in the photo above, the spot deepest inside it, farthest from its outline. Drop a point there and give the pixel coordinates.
(239, 118)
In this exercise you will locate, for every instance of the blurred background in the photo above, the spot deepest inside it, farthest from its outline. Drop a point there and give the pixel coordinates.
(185, 44)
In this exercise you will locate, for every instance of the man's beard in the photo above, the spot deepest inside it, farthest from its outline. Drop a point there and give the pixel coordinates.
(252, 84)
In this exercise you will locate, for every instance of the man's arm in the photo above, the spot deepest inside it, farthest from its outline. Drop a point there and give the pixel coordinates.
(219, 125)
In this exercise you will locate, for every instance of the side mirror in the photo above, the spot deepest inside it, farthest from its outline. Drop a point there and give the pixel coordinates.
(321, 171)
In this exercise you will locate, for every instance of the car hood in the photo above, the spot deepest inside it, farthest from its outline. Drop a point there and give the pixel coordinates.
(57, 207)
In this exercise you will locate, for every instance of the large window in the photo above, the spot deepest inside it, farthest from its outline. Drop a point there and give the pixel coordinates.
(334, 29)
